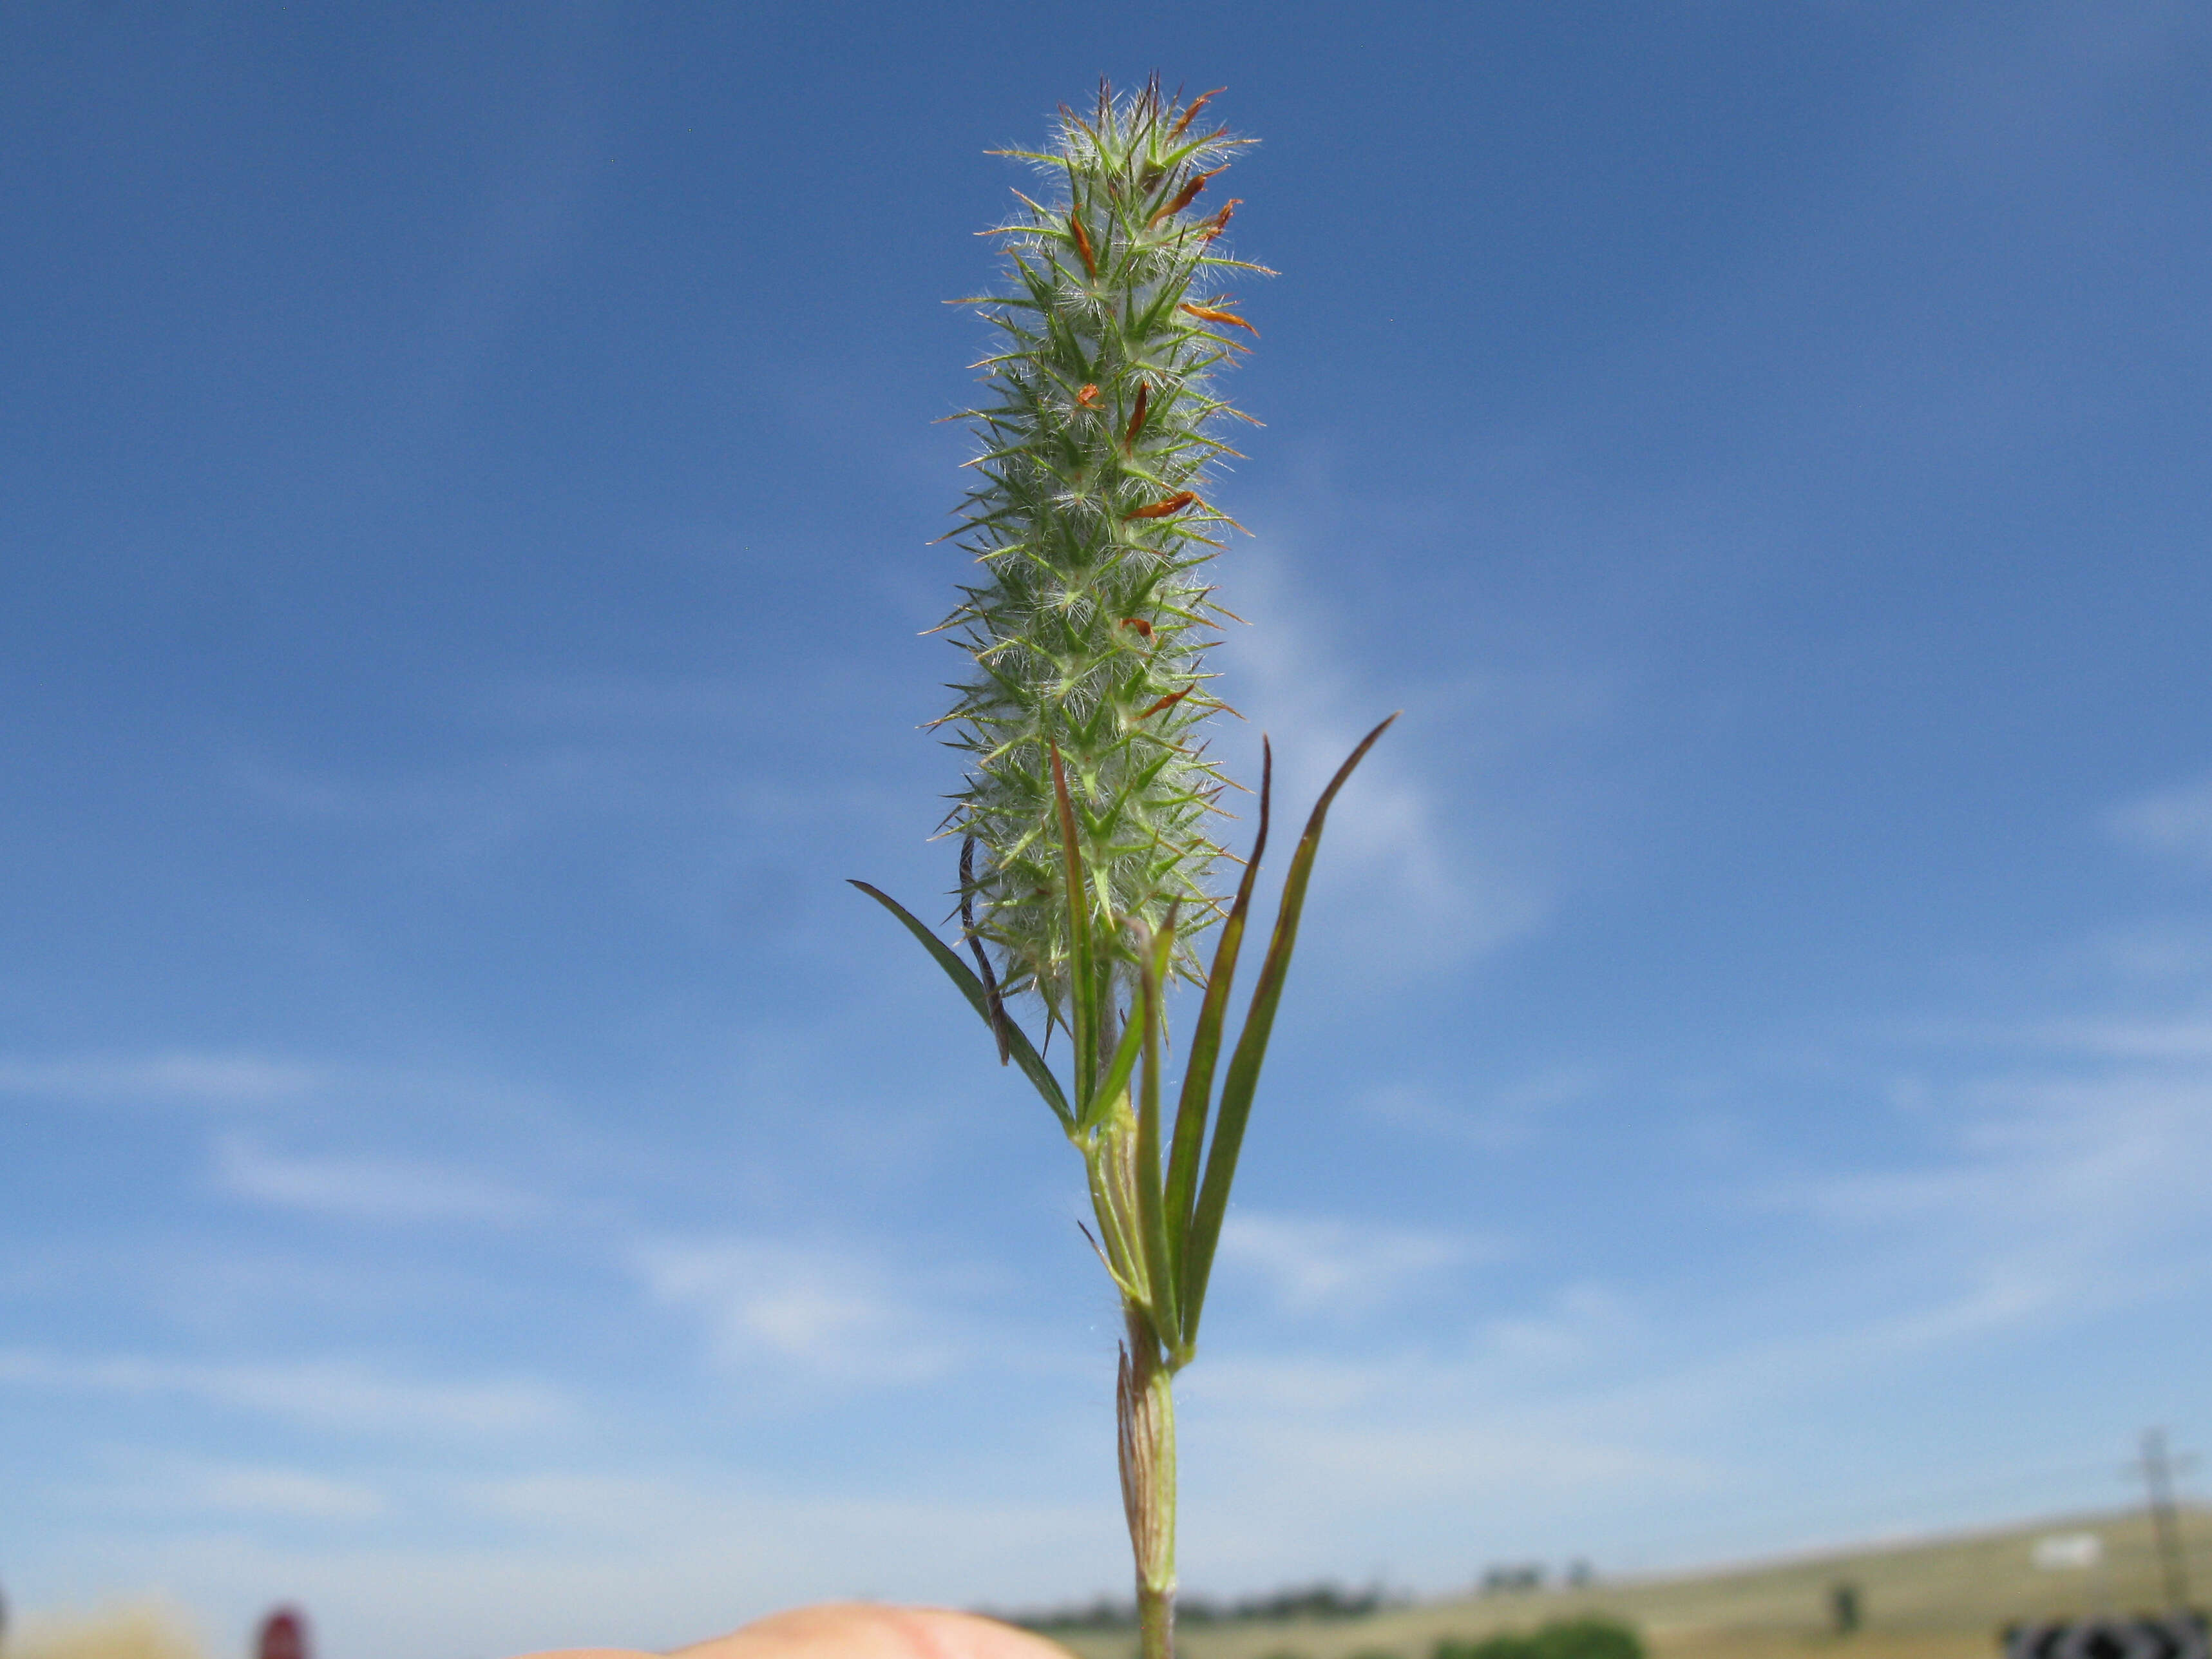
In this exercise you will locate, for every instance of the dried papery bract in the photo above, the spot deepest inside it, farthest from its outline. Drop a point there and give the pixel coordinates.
(1085, 856)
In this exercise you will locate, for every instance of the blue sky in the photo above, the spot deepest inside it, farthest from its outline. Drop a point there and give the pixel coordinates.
(472, 1166)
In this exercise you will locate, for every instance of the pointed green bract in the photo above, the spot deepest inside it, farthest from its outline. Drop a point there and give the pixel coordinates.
(1087, 634)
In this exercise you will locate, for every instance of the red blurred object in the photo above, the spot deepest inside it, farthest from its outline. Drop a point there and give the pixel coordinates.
(284, 1636)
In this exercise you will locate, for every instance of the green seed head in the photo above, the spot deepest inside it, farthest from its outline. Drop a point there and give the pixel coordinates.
(1087, 632)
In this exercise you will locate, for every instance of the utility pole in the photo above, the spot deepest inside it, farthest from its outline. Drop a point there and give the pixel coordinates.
(2157, 1468)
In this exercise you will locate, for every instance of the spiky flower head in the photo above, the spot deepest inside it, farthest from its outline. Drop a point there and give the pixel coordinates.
(1088, 632)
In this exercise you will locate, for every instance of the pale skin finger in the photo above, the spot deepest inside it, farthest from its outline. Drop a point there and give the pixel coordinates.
(854, 1630)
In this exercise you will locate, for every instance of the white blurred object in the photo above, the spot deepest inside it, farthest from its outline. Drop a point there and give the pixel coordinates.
(2069, 1552)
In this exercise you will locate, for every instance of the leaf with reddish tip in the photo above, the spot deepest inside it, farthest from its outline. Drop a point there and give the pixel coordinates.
(1196, 1101)
(1243, 1078)
(1024, 1053)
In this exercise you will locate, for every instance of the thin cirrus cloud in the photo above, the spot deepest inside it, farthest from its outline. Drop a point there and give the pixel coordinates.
(190, 1078)
(822, 1313)
(2048, 1150)
(625, 748)
(321, 1394)
(1482, 1431)
(2068, 1182)
(1495, 1119)
(196, 1487)
(2174, 822)
(1401, 866)
(2137, 1039)
(2057, 1182)
(1323, 1265)
(1572, 1335)
(364, 1188)
(1385, 1462)
(463, 813)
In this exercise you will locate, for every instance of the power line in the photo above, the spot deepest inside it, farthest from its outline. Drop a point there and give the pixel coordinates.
(2157, 1468)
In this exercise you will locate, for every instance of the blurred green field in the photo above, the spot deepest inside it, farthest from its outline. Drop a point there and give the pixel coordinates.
(1942, 1598)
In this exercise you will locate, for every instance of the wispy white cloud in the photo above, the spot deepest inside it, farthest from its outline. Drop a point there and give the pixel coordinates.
(1573, 1338)
(1493, 1119)
(1585, 1325)
(1409, 862)
(2069, 1176)
(2174, 822)
(828, 1313)
(2090, 1153)
(2123, 1038)
(604, 1503)
(165, 1486)
(299, 1494)
(364, 1188)
(616, 749)
(237, 1088)
(2075, 1179)
(1322, 1265)
(467, 811)
(1383, 1462)
(2148, 951)
(628, 701)
(1493, 1433)
(209, 1078)
(321, 1394)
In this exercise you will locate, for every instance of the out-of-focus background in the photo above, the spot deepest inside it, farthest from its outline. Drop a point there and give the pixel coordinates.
(473, 1170)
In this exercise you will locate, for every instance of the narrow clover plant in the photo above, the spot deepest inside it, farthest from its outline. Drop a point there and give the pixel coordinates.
(1085, 857)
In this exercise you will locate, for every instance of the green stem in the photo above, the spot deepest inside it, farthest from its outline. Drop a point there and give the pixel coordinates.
(1145, 1403)
(1155, 1623)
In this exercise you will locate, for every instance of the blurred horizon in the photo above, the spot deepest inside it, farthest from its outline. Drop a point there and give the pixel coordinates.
(474, 1169)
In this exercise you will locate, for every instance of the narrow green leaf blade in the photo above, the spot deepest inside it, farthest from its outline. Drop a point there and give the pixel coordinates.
(1243, 1078)
(1196, 1101)
(1025, 1054)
